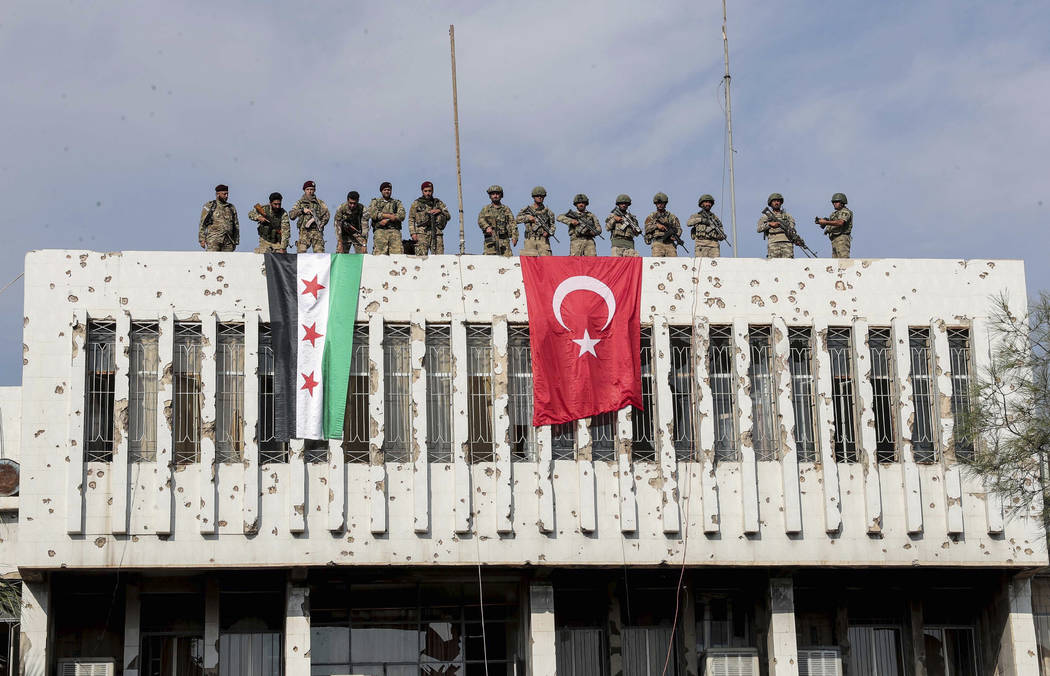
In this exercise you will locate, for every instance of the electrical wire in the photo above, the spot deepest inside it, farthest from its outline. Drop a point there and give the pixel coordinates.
(12, 282)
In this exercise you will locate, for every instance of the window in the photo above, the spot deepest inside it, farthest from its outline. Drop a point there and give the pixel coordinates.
(642, 447)
(99, 359)
(723, 392)
(922, 428)
(603, 437)
(397, 413)
(439, 393)
(522, 433)
(763, 395)
(355, 417)
(950, 651)
(682, 393)
(229, 393)
(840, 353)
(563, 441)
(172, 637)
(959, 354)
(802, 400)
(270, 449)
(881, 348)
(250, 624)
(186, 407)
(479, 394)
(142, 392)
(875, 650)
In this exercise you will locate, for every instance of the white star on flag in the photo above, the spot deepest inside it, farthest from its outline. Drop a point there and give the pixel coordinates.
(586, 344)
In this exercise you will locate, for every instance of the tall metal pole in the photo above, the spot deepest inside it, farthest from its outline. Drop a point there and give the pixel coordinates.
(729, 133)
(455, 117)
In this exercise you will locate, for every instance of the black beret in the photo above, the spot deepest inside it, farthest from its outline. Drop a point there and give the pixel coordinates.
(222, 188)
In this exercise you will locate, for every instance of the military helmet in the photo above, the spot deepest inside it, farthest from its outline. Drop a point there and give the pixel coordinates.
(623, 199)
(580, 197)
(839, 197)
(705, 198)
(494, 188)
(539, 191)
(774, 196)
(660, 198)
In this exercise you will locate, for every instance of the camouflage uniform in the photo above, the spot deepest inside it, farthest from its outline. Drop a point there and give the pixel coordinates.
(387, 238)
(537, 243)
(840, 236)
(661, 239)
(622, 233)
(418, 225)
(501, 219)
(222, 231)
(706, 230)
(346, 221)
(280, 219)
(581, 243)
(310, 235)
(777, 243)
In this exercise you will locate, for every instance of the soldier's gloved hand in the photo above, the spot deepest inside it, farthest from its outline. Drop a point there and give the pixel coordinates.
(618, 219)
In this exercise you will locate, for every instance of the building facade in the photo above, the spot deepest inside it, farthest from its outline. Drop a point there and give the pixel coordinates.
(789, 501)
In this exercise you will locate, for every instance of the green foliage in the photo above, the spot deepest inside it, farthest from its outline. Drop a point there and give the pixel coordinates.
(10, 599)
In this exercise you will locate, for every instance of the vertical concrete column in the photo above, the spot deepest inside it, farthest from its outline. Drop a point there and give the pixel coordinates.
(75, 422)
(917, 638)
(297, 628)
(211, 626)
(825, 423)
(119, 466)
(687, 621)
(912, 490)
(782, 646)
(663, 426)
(628, 497)
(162, 506)
(376, 400)
(942, 414)
(705, 437)
(866, 434)
(418, 391)
(460, 427)
(36, 607)
(250, 430)
(132, 614)
(981, 358)
(208, 469)
(542, 655)
(745, 423)
(501, 427)
(1018, 652)
(296, 493)
(336, 486)
(585, 472)
(545, 478)
(614, 630)
(781, 347)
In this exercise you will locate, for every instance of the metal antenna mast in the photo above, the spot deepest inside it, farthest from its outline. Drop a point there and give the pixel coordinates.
(455, 117)
(729, 133)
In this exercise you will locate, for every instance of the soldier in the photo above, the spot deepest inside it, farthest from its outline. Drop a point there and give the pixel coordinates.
(274, 226)
(775, 223)
(219, 229)
(312, 215)
(706, 229)
(427, 219)
(624, 228)
(496, 221)
(583, 227)
(351, 225)
(838, 226)
(539, 225)
(663, 229)
(387, 215)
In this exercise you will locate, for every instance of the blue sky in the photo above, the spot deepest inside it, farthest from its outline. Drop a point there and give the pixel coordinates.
(120, 117)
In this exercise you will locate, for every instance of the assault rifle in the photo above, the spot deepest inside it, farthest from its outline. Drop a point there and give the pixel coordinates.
(592, 231)
(710, 230)
(267, 230)
(791, 232)
(543, 227)
(670, 236)
(355, 232)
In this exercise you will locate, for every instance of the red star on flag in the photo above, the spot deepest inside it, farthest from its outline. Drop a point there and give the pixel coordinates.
(309, 383)
(312, 286)
(311, 334)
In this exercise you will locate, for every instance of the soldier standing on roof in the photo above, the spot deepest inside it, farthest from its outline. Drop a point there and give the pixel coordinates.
(583, 227)
(775, 228)
(838, 226)
(623, 227)
(427, 218)
(496, 221)
(387, 215)
(706, 229)
(351, 225)
(662, 228)
(219, 229)
(274, 226)
(312, 215)
(539, 225)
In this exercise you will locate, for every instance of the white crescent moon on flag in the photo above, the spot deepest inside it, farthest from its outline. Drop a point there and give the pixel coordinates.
(583, 283)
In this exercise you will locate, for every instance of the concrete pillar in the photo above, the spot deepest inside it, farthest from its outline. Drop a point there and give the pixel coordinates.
(542, 657)
(36, 606)
(132, 612)
(297, 629)
(615, 631)
(918, 641)
(782, 645)
(211, 626)
(1018, 652)
(687, 623)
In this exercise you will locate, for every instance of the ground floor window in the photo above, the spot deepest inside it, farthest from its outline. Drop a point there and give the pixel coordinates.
(172, 655)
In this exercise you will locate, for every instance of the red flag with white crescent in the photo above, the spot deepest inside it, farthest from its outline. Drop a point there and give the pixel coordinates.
(585, 333)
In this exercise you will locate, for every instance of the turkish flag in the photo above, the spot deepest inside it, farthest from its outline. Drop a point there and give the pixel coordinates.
(585, 331)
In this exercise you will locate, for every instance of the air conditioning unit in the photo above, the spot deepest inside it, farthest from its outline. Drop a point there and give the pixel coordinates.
(86, 667)
(731, 662)
(819, 662)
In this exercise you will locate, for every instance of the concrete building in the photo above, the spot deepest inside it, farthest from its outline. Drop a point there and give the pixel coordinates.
(789, 502)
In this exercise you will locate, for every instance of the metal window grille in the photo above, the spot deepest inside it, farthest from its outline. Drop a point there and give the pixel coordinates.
(959, 354)
(922, 428)
(522, 433)
(642, 447)
(270, 449)
(229, 393)
(603, 437)
(315, 451)
(683, 410)
(840, 351)
(563, 441)
(142, 392)
(100, 377)
(186, 407)
(397, 376)
(723, 392)
(439, 393)
(880, 346)
(802, 399)
(355, 416)
(479, 394)
(763, 395)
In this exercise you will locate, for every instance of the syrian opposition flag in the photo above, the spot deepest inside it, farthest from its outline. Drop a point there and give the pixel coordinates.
(585, 334)
(313, 304)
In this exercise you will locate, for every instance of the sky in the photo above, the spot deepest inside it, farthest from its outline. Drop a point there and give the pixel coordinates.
(119, 118)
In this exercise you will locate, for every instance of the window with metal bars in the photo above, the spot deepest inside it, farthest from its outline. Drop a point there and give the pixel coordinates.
(99, 388)
(563, 441)
(880, 346)
(723, 392)
(519, 372)
(763, 394)
(439, 392)
(840, 354)
(603, 437)
(683, 410)
(355, 416)
(229, 393)
(643, 448)
(143, 361)
(960, 355)
(270, 449)
(315, 451)
(480, 409)
(186, 393)
(924, 448)
(397, 377)
(802, 400)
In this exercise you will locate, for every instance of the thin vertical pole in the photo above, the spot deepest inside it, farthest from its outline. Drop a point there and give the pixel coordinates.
(455, 118)
(729, 133)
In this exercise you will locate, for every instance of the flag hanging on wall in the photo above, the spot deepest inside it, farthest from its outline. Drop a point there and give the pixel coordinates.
(313, 304)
